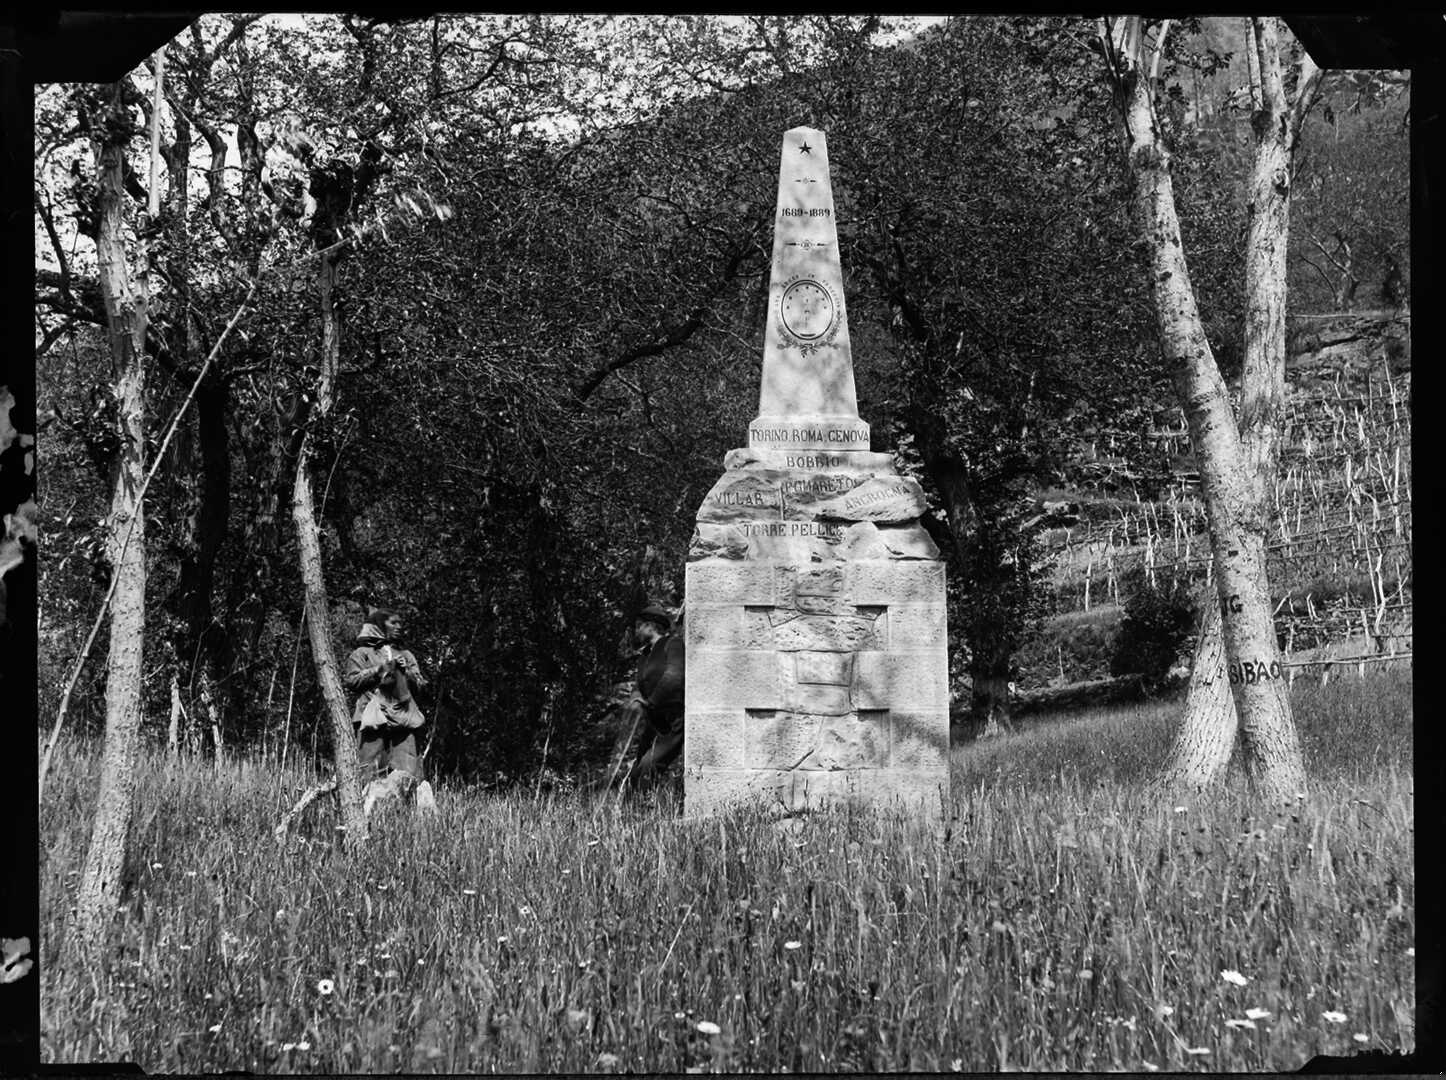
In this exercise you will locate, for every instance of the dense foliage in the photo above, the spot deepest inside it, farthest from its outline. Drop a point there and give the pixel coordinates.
(556, 245)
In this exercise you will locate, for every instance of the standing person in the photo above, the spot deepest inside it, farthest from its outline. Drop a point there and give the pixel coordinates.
(385, 677)
(659, 696)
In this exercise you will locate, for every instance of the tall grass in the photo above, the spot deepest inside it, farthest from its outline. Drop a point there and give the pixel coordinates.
(1347, 729)
(1058, 920)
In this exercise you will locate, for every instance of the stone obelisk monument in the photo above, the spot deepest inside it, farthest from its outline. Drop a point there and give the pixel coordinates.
(817, 667)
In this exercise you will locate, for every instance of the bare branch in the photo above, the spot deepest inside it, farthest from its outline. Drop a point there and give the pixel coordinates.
(88, 306)
(669, 338)
(1307, 91)
(1323, 275)
(239, 26)
(1252, 64)
(1121, 40)
(1158, 52)
(216, 185)
(1112, 56)
(1267, 44)
(500, 55)
(692, 222)
(54, 334)
(175, 102)
(153, 207)
(46, 217)
(1344, 268)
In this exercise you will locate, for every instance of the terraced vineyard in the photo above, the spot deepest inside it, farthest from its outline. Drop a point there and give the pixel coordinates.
(1340, 549)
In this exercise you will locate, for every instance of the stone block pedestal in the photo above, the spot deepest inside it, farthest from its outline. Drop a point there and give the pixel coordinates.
(817, 651)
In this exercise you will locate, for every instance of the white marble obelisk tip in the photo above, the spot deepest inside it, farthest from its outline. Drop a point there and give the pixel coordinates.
(807, 398)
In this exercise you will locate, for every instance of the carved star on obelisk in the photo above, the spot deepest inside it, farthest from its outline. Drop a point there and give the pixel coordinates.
(807, 383)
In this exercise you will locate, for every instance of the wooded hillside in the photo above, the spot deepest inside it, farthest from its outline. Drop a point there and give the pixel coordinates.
(501, 283)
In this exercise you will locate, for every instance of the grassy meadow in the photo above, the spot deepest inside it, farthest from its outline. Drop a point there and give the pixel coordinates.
(1061, 918)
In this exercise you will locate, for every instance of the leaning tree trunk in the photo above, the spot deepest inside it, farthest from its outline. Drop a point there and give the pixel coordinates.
(318, 612)
(1270, 749)
(1235, 514)
(126, 316)
(1268, 740)
(1205, 738)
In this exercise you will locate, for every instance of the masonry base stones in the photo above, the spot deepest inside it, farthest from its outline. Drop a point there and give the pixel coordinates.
(816, 641)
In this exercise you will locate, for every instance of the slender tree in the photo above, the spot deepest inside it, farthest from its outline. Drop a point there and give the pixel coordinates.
(1236, 508)
(337, 188)
(1206, 737)
(125, 292)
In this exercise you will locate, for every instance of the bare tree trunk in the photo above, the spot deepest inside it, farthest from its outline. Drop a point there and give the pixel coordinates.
(1345, 290)
(308, 797)
(318, 612)
(990, 694)
(1205, 739)
(1236, 514)
(173, 730)
(126, 316)
(1210, 718)
(318, 625)
(1269, 744)
(208, 702)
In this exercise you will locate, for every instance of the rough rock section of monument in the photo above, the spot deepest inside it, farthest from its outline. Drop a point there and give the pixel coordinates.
(817, 665)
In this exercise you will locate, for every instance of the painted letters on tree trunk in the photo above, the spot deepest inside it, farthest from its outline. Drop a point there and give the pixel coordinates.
(1236, 513)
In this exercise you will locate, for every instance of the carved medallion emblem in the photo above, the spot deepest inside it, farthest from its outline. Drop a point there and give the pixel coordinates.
(808, 313)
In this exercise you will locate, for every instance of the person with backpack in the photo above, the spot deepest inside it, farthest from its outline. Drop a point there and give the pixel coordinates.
(385, 677)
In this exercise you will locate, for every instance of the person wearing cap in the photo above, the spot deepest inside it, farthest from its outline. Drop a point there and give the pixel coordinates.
(385, 678)
(659, 696)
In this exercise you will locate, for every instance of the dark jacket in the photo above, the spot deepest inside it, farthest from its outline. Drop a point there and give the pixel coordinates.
(660, 681)
(388, 695)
